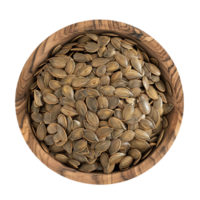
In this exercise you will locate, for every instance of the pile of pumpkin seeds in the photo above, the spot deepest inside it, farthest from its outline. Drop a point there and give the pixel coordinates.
(98, 103)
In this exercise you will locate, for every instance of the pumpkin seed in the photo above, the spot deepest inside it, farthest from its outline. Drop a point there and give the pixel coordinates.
(41, 132)
(103, 146)
(104, 132)
(116, 123)
(50, 98)
(68, 111)
(127, 136)
(90, 136)
(125, 162)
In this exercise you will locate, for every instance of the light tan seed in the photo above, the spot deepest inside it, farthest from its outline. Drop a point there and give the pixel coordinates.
(105, 80)
(101, 51)
(92, 104)
(107, 90)
(135, 92)
(132, 74)
(164, 122)
(47, 90)
(70, 67)
(56, 49)
(63, 51)
(121, 59)
(90, 127)
(146, 124)
(113, 102)
(81, 108)
(55, 112)
(90, 92)
(61, 158)
(118, 113)
(101, 70)
(141, 135)
(86, 70)
(128, 111)
(137, 144)
(136, 154)
(48, 140)
(109, 53)
(76, 134)
(119, 84)
(68, 111)
(135, 84)
(36, 117)
(41, 132)
(102, 102)
(38, 98)
(99, 62)
(92, 119)
(40, 82)
(116, 158)
(92, 47)
(68, 79)
(88, 167)
(145, 82)
(92, 83)
(80, 145)
(57, 62)
(104, 114)
(58, 93)
(58, 73)
(79, 57)
(123, 93)
(144, 105)
(68, 91)
(74, 163)
(54, 85)
(62, 121)
(127, 136)
(104, 160)
(50, 98)
(162, 97)
(146, 154)
(125, 162)
(55, 148)
(155, 78)
(103, 40)
(47, 118)
(160, 86)
(79, 82)
(137, 64)
(116, 76)
(117, 133)
(102, 146)
(151, 92)
(153, 69)
(47, 78)
(158, 104)
(112, 66)
(160, 138)
(116, 42)
(104, 131)
(67, 102)
(52, 128)
(116, 123)
(92, 36)
(90, 136)
(167, 108)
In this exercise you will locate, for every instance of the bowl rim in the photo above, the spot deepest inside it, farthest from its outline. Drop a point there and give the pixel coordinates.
(60, 37)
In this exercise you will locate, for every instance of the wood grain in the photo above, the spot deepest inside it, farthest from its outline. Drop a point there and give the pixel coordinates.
(152, 47)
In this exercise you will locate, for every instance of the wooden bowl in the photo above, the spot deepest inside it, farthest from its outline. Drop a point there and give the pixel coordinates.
(153, 49)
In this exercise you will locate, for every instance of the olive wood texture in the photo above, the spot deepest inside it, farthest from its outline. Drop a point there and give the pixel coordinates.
(153, 49)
